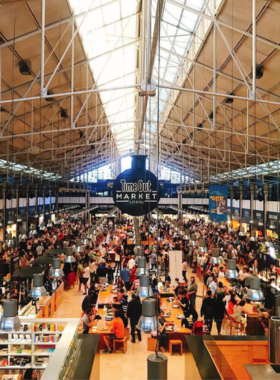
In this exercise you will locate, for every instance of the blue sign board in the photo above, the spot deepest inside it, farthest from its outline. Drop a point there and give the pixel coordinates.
(218, 202)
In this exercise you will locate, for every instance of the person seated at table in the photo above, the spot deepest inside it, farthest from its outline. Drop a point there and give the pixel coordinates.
(163, 337)
(176, 287)
(88, 301)
(120, 284)
(124, 303)
(120, 294)
(116, 305)
(231, 305)
(117, 330)
(221, 273)
(239, 308)
(167, 286)
(88, 320)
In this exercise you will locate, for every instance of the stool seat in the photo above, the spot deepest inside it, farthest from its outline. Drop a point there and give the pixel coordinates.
(175, 342)
(120, 344)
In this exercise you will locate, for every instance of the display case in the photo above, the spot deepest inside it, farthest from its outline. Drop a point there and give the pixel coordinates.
(34, 345)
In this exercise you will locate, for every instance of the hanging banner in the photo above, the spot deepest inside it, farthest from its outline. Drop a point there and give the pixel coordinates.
(218, 202)
(135, 191)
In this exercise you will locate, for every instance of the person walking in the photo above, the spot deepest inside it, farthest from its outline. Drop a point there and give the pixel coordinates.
(207, 310)
(134, 312)
(125, 277)
(192, 290)
(219, 311)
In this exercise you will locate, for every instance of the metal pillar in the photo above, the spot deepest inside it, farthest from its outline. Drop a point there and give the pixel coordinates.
(27, 208)
(254, 48)
(252, 192)
(231, 201)
(180, 201)
(241, 192)
(17, 208)
(265, 192)
(4, 187)
(44, 203)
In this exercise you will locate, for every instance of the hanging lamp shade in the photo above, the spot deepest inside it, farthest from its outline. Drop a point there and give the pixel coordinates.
(69, 258)
(187, 235)
(56, 270)
(79, 247)
(49, 225)
(231, 271)
(148, 321)
(144, 289)
(202, 246)
(254, 236)
(10, 320)
(140, 251)
(215, 259)
(255, 293)
(141, 266)
(260, 223)
(38, 289)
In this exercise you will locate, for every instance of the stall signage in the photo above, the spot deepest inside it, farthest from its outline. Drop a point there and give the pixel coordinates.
(218, 202)
(135, 192)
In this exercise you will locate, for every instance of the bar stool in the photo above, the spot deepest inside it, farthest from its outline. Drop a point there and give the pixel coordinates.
(120, 344)
(175, 342)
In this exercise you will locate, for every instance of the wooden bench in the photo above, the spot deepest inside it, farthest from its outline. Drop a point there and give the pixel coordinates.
(120, 344)
(175, 342)
(151, 344)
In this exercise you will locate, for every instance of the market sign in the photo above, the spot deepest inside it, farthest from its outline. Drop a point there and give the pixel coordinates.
(218, 202)
(135, 190)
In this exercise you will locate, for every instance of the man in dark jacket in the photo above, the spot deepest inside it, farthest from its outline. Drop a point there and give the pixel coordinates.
(134, 312)
(207, 310)
(88, 301)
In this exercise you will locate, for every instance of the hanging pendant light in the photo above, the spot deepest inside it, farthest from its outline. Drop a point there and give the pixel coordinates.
(254, 293)
(144, 289)
(141, 270)
(49, 225)
(42, 226)
(56, 270)
(260, 223)
(215, 259)
(231, 271)
(148, 321)
(69, 258)
(202, 246)
(38, 289)
(10, 320)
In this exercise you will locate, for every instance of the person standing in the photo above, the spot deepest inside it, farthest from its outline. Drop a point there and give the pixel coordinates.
(125, 277)
(192, 291)
(101, 272)
(207, 310)
(154, 259)
(86, 276)
(184, 270)
(80, 272)
(219, 311)
(134, 312)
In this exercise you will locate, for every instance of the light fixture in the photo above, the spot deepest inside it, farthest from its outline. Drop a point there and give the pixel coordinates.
(85, 238)
(69, 258)
(56, 270)
(194, 239)
(49, 225)
(272, 225)
(25, 67)
(254, 293)
(42, 226)
(38, 289)
(252, 221)
(215, 259)
(231, 271)
(36, 215)
(144, 289)
(79, 247)
(242, 232)
(254, 236)
(141, 270)
(148, 321)
(10, 320)
(202, 245)
(260, 223)
(19, 219)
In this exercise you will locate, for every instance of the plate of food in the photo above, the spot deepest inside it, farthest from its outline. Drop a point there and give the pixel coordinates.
(103, 328)
(175, 306)
(180, 316)
(169, 329)
(166, 315)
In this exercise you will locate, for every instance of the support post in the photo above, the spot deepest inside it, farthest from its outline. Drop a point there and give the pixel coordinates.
(241, 192)
(17, 209)
(254, 48)
(4, 188)
(43, 91)
(252, 192)
(265, 192)
(231, 201)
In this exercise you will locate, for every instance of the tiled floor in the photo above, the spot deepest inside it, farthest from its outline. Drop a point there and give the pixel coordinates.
(133, 364)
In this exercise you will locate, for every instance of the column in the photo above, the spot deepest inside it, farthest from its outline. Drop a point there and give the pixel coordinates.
(36, 199)
(44, 202)
(241, 192)
(17, 208)
(27, 209)
(231, 201)
(4, 188)
(265, 193)
(180, 196)
(252, 192)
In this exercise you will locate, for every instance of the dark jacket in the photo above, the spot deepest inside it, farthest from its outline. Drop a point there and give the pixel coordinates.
(219, 308)
(207, 308)
(134, 310)
(101, 271)
(87, 302)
